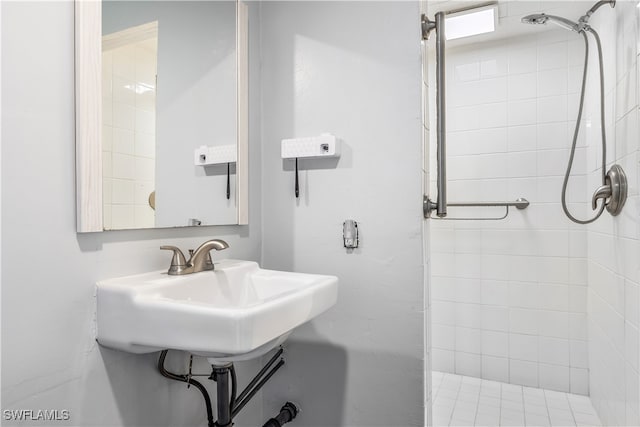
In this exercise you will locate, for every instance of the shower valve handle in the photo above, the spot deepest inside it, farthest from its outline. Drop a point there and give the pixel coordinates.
(603, 192)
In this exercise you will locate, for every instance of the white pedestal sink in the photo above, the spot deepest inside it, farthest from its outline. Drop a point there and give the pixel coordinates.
(236, 312)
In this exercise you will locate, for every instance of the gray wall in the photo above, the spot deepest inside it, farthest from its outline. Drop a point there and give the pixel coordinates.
(353, 69)
(49, 357)
(196, 102)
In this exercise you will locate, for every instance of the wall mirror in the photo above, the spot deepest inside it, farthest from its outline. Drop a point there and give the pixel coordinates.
(161, 113)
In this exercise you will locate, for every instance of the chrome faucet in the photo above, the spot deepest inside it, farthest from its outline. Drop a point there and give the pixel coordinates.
(199, 260)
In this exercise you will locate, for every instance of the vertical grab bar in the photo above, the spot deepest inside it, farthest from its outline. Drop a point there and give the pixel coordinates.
(440, 205)
(441, 125)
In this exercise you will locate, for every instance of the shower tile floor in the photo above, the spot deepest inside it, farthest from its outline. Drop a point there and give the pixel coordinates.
(468, 401)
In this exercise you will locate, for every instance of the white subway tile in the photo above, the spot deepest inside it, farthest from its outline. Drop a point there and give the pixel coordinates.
(631, 352)
(521, 138)
(495, 368)
(579, 381)
(468, 340)
(123, 90)
(552, 82)
(122, 192)
(524, 295)
(522, 59)
(579, 354)
(523, 321)
(123, 166)
(495, 344)
(443, 336)
(124, 116)
(493, 64)
(522, 86)
(145, 121)
(522, 113)
(578, 299)
(555, 377)
(552, 109)
(522, 164)
(145, 145)
(495, 318)
(551, 56)
(578, 326)
(443, 360)
(122, 216)
(443, 312)
(107, 137)
(554, 297)
(465, 72)
(123, 141)
(145, 169)
(124, 62)
(523, 347)
(468, 291)
(553, 243)
(554, 351)
(553, 136)
(107, 111)
(143, 190)
(468, 315)
(144, 216)
(106, 191)
(632, 303)
(468, 364)
(552, 270)
(524, 373)
(495, 292)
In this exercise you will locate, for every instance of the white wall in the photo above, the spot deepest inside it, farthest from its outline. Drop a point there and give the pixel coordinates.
(353, 69)
(324, 69)
(49, 357)
(510, 296)
(613, 248)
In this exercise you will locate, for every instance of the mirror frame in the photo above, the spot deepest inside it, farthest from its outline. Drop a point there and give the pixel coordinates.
(88, 114)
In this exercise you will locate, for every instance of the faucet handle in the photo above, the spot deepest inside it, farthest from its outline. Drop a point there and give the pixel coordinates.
(178, 262)
(603, 192)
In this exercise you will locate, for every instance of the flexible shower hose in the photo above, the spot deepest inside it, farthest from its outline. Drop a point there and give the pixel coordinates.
(577, 128)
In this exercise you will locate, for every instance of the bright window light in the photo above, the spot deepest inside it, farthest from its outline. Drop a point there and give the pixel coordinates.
(470, 23)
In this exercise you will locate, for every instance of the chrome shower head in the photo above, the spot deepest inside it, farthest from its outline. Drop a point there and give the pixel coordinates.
(537, 18)
(543, 18)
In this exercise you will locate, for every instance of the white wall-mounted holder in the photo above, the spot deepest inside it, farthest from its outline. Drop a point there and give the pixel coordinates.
(325, 145)
(217, 155)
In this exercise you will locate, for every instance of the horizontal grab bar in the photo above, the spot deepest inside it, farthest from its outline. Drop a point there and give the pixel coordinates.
(520, 203)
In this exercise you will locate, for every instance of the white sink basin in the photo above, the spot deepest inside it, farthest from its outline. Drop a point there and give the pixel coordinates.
(236, 312)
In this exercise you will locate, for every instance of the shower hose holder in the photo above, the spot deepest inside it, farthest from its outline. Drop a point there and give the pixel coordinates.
(613, 192)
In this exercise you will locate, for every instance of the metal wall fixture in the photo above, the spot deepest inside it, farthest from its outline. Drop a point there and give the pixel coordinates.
(440, 204)
(613, 188)
(519, 204)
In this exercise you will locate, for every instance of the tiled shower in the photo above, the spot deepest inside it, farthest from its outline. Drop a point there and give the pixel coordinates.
(536, 300)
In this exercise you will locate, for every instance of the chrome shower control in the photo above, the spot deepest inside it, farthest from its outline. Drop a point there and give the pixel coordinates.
(617, 180)
(614, 192)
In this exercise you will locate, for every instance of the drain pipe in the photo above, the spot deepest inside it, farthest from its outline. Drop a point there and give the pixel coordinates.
(287, 413)
(188, 380)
